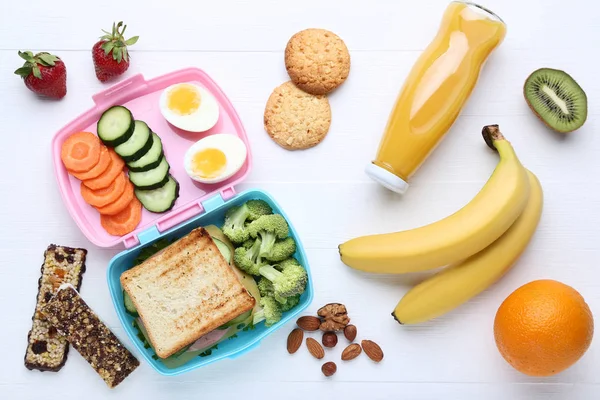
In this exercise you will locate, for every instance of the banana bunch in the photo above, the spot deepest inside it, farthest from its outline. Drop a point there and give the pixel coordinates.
(479, 243)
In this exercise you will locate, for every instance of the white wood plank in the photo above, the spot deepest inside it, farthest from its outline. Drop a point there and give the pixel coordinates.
(348, 390)
(471, 357)
(238, 25)
(324, 190)
(360, 111)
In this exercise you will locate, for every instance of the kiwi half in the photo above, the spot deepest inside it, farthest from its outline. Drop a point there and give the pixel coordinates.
(555, 97)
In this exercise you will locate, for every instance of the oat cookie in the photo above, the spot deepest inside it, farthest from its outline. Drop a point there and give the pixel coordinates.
(295, 119)
(317, 60)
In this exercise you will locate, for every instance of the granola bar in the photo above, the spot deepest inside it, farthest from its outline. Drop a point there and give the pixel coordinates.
(71, 316)
(47, 349)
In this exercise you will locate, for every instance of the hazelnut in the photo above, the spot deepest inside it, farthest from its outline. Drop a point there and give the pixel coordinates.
(329, 368)
(350, 332)
(330, 339)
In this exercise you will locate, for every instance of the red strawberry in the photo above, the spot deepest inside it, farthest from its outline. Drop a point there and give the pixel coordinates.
(44, 74)
(110, 55)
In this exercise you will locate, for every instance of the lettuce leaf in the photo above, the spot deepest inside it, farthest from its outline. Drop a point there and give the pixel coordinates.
(151, 250)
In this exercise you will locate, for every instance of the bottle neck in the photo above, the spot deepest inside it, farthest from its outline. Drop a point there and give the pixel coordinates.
(487, 13)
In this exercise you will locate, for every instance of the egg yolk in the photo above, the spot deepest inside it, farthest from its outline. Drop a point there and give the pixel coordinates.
(209, 163)
(184, 100)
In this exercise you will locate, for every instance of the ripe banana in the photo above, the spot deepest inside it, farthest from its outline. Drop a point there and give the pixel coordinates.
(459, 283)
(471, 229)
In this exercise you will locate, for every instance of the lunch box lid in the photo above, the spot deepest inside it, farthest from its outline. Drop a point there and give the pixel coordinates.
(141, 97)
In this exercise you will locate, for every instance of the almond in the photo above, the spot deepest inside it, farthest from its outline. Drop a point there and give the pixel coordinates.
(294, 340)
(372, 350)
(309, 323)
(315, 348)
(350, 332)
(351, 352)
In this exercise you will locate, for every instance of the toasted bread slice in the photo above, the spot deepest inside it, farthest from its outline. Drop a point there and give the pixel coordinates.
(185, 291)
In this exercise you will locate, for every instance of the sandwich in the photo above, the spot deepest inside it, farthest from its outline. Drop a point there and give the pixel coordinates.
(184, 292)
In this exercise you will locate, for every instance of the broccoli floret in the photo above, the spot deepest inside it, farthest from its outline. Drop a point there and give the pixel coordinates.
(234, 226)
(269, 312)
(248, 259)
(265, 287)
(287, 263)
(273, 224)
(290, 302)
(268, 228)
(281, 250)
(258, 208)
(249, 243)
(290, 281)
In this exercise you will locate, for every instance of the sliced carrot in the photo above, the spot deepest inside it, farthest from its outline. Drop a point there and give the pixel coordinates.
(124, 222)
(107, 195)
(108, 176)
(120, 204)
(98, 169)
(80, 152)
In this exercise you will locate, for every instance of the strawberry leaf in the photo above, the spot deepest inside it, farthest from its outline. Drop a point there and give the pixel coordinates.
(117, 32)
(125, 54)
(36, 71)
(23, 71)
(27, 56)
(108, 47)
(47, 59)
(131, 41)
(117, 41)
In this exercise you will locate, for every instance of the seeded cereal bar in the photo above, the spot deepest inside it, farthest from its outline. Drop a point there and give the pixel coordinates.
(47, 349)
(71, 316)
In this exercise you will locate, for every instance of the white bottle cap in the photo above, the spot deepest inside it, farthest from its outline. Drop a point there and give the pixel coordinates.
(386, 178)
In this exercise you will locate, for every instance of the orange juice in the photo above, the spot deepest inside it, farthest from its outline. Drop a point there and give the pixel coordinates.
(435, 91)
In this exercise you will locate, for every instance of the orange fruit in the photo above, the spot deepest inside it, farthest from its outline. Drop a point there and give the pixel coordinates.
(543, 328)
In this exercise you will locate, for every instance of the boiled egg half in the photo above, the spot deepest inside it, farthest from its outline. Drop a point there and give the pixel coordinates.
(189, 107)
(215, 158)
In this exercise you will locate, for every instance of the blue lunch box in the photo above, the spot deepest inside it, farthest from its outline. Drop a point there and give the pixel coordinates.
(245, 341)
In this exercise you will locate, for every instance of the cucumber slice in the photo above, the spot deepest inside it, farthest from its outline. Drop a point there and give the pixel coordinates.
(151, 159)
(161, 199)
(138, 143)
(227, 254)
(115, 126)
(142, 334)
(151, 179)
(237, 320)
(180, 352)
(129, 306)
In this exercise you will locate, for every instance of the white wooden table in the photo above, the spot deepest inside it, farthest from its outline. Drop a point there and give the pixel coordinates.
(329, 198)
